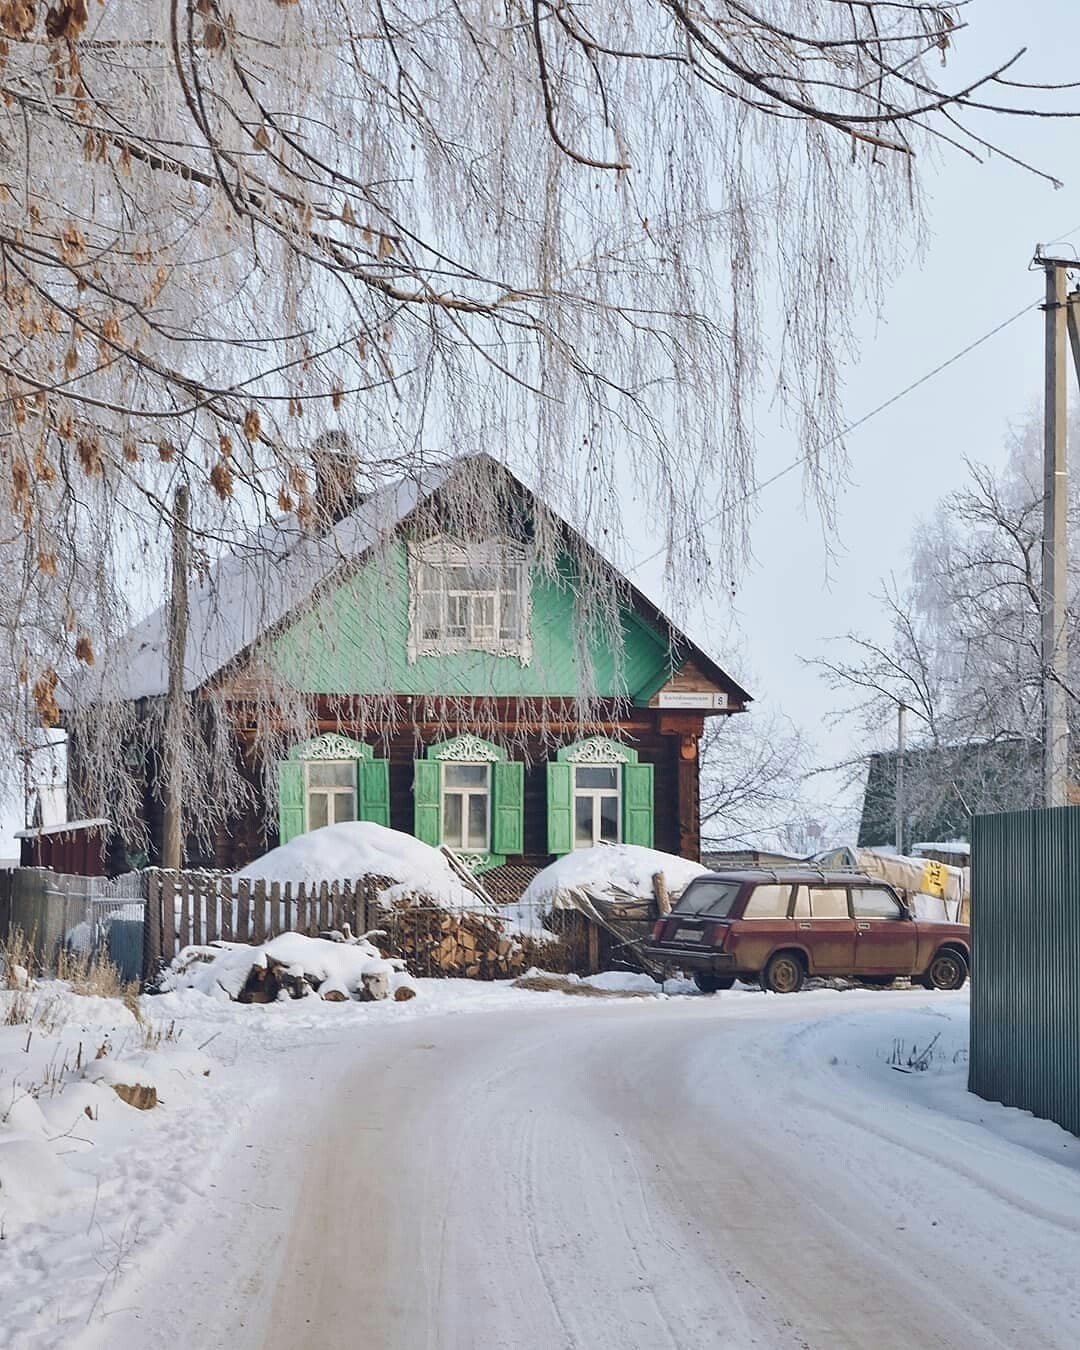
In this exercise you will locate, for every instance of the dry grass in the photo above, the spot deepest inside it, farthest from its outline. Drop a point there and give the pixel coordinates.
(565, 984)
(16, 960)
(97, 977)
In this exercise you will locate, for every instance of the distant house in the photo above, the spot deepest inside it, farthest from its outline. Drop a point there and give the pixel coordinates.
(943, 787)
(483, 739)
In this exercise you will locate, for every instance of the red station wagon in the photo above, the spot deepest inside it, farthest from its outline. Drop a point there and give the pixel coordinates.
(781, 926)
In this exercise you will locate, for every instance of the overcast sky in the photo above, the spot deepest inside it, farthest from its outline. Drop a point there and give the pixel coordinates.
(984, 223)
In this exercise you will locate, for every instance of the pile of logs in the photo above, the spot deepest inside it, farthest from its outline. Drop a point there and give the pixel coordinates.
(435, 941)
(265, 984)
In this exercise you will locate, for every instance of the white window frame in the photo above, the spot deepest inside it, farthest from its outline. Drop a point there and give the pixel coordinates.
(429, 557)
(330, 792)
(465, 794)
(597, 795)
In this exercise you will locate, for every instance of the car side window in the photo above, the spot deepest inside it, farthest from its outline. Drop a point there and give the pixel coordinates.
(802, 902)
(828, 902)
(874, 902)
(767, 902)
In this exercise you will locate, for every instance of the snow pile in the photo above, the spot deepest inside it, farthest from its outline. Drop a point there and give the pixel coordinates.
(360, 848)
(290, 966)
(617, 983)
(629, 867)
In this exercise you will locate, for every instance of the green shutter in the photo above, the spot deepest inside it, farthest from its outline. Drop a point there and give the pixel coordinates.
(508, 822)
(373, 790)
(292, 818)
(560, 808)
(637, 794)
(427, 808)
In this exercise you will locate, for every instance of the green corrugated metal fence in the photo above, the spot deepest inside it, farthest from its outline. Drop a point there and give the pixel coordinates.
(1025, 979)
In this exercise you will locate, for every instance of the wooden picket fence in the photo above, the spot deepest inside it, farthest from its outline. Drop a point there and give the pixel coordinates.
(185, 909)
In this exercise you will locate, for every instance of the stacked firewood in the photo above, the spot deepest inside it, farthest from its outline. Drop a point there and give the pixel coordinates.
(440, 941)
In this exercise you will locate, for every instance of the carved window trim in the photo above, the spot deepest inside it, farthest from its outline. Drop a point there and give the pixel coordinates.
(331, 745)
(597, 750)
(441, 551)
(467, 749)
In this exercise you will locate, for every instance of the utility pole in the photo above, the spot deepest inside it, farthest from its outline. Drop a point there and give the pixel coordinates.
(1054, 542)
(172, 842)
(898, 800)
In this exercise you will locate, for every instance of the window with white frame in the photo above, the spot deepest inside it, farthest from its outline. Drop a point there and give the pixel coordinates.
(469, 597)
(330, 787)
(597, 801)
(466, 806)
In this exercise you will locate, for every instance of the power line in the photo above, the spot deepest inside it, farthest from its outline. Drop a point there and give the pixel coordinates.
(853, 426)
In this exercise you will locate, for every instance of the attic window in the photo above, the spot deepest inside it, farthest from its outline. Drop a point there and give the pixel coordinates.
(469, 597)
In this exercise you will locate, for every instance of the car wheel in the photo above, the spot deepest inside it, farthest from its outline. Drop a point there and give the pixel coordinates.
(948, 970)
(712, 984)
(784, 974)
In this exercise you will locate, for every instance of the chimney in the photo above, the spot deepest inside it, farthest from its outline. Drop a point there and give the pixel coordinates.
(335, 466)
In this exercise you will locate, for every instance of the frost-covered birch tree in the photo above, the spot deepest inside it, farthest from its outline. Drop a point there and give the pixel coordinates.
(752, 776)
(584, 235)
(963, 651)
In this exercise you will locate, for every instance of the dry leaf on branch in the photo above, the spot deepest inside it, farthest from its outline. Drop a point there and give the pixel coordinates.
(221, 478)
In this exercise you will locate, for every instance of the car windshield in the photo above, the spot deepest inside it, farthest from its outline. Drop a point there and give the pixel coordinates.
(712, 899)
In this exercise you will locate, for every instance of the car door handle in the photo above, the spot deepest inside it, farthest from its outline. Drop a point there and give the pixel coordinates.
(862, 925)
(804, 925)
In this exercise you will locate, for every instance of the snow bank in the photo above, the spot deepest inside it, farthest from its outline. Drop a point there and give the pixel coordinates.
(359, 848)
(628, 866)
(83, 1174)
(617, 982)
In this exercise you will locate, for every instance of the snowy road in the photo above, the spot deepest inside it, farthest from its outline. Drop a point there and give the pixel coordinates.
(728, 1172)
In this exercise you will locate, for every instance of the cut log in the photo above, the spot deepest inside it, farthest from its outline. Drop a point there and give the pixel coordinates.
(663, 895)
(143, 1096)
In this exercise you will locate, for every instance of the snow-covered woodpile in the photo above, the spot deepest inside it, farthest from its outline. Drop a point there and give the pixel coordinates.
(336, 967)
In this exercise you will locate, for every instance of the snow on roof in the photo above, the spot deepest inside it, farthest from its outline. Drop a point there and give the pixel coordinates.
(946, 846)
(63, 827)
(245, 592)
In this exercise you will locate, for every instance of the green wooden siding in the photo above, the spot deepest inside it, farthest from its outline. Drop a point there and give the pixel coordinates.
(355, 640)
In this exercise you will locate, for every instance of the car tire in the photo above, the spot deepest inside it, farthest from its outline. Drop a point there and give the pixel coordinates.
(948, 970)
(712, 984)
(784, 974)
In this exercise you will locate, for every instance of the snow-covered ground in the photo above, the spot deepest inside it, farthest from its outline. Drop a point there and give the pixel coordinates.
(741, 1170)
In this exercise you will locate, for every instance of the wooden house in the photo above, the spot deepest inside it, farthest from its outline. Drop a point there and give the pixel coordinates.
(444, 676)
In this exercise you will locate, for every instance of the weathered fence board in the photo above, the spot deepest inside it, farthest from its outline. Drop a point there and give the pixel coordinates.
(197, 908)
